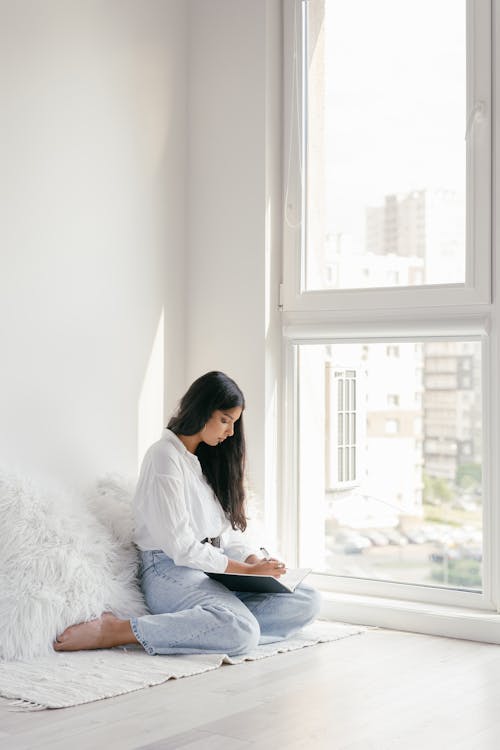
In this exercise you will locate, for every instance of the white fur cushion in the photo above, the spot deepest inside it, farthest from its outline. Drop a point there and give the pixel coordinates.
(63, 560)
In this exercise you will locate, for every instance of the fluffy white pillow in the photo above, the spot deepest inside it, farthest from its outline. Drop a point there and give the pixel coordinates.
(61, 562)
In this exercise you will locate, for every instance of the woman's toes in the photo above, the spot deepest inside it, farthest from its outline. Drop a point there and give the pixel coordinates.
(99, 633)
(62, 639)
(85, 635)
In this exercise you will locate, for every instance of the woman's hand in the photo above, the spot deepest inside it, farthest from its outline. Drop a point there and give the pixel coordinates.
(257, 566)
(267, 567)
(252, 559)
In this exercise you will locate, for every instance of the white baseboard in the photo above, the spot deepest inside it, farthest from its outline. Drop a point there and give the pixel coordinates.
(415, 617)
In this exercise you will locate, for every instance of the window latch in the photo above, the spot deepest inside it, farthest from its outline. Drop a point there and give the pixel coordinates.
(477, 114)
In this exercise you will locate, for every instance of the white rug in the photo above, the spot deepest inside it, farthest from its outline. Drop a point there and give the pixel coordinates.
(69, 679)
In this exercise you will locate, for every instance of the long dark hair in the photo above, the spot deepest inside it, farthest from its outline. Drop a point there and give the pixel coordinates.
(223, 465)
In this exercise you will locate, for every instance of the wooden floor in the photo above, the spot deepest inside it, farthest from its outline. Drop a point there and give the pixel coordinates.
(383, 690)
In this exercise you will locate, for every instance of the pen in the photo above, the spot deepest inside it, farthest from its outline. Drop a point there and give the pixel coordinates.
(268, 556)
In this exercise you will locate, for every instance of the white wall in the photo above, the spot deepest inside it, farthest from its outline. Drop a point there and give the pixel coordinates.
(234, 214)
(92, 230)
(140, 178)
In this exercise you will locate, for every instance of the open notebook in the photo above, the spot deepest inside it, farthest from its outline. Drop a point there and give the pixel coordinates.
(286, 584)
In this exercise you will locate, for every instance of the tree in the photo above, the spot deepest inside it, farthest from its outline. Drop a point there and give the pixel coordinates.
(436, 488)
(469, 476)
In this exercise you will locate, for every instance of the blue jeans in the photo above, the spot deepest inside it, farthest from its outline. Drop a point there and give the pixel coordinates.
(193, 614)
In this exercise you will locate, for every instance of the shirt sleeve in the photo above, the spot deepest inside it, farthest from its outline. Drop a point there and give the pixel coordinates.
(166, 517)
(236, 546)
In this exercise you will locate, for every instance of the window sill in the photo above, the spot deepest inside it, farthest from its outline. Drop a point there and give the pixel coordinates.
(415, 617)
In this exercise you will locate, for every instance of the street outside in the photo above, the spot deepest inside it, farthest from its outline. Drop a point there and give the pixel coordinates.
(435, 554)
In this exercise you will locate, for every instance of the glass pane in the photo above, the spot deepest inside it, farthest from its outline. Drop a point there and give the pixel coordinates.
(401, 499)
(386, 157)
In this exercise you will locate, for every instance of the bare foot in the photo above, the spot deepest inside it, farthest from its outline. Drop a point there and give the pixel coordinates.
(105, 632)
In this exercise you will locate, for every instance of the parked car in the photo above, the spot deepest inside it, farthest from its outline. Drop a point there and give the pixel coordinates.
(396, 537)
(356, 544)
(416, 536)
(460, 536)
(436, 532)
(463, 552)
(444, 554)
(377, 538)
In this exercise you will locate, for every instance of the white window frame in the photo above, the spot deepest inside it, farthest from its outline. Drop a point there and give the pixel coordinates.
(477, 287)
(297, 515)
(455, 311)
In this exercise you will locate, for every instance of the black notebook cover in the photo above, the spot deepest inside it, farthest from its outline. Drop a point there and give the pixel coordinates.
(262, 584)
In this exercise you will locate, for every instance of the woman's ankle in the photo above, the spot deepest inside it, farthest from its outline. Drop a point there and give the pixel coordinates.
(119, 632)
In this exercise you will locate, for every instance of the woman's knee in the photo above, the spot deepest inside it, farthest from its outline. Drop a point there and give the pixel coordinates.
(241, 633)
(316, 602)
(310, 602)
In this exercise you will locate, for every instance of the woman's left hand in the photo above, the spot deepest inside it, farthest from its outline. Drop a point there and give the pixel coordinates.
(252, 559)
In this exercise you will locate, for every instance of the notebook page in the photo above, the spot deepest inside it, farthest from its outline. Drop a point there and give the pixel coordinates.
(293, 577)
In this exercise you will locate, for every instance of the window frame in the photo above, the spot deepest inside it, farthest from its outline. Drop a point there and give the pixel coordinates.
(477, 287)
(395, 314)
(296, 516)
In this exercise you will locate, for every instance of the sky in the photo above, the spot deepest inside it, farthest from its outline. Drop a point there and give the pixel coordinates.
(395, 113)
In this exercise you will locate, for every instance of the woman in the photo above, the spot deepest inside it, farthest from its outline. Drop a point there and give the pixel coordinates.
(189, 508)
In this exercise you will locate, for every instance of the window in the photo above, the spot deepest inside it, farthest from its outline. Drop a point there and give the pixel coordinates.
(379, 175)
(393, 489)
(387, 309)
(391, 426)
(341, 458)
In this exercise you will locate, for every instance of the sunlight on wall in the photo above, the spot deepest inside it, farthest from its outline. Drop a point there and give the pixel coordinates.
(150, 415)
(268, 270)
(272, 466)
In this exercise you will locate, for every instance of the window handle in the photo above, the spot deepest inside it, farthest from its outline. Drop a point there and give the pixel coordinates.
(477, 114)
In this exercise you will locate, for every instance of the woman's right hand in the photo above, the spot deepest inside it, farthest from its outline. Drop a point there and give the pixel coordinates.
(267, 567)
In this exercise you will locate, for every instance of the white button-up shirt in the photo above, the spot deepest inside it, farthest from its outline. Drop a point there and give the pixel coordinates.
(175, 508)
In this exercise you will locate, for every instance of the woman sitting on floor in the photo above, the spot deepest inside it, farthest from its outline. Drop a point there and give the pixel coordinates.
(189, 508)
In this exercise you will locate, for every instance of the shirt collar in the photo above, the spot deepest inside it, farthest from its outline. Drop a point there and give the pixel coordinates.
(175, 440)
